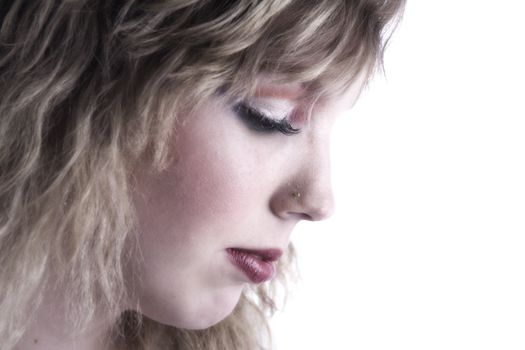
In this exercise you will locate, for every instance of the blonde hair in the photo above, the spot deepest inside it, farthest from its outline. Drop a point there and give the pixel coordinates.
(90, 89)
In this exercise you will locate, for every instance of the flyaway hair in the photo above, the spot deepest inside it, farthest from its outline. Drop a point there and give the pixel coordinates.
(91, 89)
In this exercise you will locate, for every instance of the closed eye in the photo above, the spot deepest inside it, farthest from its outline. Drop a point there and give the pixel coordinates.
(258, 121)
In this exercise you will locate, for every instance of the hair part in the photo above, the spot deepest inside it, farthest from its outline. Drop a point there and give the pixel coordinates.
(91, 89)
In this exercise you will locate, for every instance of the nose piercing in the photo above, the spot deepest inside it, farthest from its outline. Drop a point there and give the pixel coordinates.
(296, 194)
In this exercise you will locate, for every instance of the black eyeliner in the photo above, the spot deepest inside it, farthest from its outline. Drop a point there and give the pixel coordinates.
(258, 121)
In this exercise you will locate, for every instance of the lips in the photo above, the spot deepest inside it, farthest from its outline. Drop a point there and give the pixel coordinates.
(257, 265)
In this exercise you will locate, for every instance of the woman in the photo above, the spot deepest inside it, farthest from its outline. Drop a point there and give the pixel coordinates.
(155, 156)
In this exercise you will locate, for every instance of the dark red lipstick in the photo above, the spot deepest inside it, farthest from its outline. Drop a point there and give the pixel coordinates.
(257, 265)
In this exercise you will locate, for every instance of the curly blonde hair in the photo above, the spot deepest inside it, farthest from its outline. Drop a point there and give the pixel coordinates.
(91, 88)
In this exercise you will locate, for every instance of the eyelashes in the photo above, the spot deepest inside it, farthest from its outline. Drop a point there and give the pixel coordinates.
(258, 121)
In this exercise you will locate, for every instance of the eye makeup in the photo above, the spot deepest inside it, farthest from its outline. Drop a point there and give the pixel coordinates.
(259, 121)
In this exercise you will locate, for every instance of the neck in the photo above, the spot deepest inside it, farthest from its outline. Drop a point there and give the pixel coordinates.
(49, 328)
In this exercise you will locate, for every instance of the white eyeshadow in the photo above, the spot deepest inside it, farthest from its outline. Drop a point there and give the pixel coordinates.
(276, 108)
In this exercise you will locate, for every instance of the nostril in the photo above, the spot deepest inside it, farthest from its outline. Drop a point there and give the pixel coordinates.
(307, 217)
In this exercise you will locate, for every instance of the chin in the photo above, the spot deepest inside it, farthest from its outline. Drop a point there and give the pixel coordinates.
(196, 312)
(212, 311)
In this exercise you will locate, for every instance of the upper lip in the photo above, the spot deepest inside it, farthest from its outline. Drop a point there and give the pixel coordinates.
(271, 254)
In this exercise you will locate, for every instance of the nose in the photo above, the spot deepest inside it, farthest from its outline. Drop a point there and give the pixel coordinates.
(307, 194)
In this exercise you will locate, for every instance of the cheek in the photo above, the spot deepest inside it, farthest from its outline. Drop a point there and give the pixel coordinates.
(215, 179)
(188, 215)
(210, 188)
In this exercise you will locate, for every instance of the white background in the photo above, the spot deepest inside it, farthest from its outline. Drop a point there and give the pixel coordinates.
(427, 247)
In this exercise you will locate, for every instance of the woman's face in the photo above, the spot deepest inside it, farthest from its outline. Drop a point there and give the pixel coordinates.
(234, 184)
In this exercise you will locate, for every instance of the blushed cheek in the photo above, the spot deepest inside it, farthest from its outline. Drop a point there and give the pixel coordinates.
(212, 186)
(206, 191)
(215, 186)
(219, 164)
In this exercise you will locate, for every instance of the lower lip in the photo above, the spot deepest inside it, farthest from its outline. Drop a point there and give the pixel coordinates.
(255, 269)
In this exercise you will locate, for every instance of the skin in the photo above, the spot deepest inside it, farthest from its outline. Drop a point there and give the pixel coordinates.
(230, 186)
